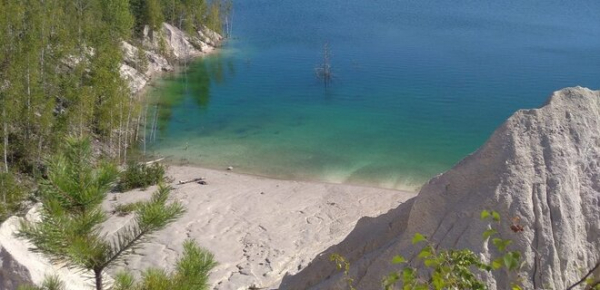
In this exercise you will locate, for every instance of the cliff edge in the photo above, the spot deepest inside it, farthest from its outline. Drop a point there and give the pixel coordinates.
(161, 49)
(542, 165)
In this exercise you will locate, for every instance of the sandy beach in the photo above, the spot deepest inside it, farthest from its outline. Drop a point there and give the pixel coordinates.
(259, 229)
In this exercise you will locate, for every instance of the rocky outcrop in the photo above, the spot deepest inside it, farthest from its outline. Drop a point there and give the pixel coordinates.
(161, 50)
(542, 165)
(21, 266)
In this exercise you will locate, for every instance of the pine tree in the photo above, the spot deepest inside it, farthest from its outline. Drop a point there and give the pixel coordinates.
(117, 15)
(213, 18)
(69, 230)
(191, 273)
(59, 72)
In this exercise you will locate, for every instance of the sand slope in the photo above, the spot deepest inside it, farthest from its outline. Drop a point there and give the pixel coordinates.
(259, 229)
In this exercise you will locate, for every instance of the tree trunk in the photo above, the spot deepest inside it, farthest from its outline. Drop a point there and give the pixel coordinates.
(120, 137)
(98, 276)
(127, 129)
(145, 127)
(80, 47)
(28, 109)
(3, 191)
(5, 147)
(40, 145)
(110, 134)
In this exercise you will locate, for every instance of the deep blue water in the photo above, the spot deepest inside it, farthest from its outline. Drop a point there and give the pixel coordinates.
(418, 85)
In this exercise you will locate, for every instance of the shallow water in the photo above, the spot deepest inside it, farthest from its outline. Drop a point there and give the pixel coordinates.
(418, 85)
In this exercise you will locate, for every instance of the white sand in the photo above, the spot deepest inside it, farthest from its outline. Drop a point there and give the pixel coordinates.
(258, 228)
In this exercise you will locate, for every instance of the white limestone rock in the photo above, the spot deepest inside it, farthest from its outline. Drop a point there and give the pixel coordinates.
(135, 79)
(156, 63)
(542, 165)
(209, 36)
(179, 46)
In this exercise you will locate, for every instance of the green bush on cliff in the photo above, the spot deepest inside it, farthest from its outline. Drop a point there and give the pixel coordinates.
(458, 269)
(452, 268)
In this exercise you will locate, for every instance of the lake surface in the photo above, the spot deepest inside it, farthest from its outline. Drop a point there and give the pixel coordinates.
(418, 85)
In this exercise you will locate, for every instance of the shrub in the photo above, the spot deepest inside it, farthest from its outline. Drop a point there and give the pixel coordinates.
(11, 195)
(191, 273)
(140, 175)
(455, 269)
(458, 269)
(50, 283)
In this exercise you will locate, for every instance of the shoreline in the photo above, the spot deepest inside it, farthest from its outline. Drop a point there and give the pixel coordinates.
(171, 160)
(258, 228)
(171, 163)
(182, 48)
(176, 67)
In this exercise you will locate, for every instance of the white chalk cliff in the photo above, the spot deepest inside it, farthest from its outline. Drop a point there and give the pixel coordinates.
(178, 46)
(542, 165)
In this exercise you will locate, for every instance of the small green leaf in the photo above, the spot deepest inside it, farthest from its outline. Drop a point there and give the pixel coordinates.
(431, 262)
(390, 280)
(495, 216)
(501, 244)
(398, 260)
(438, 281)
(425, 252)
(497, 264)
(485, 214)
(511, 260)
(418, 238)
(488, 233)
(408, 274)
(496, 242)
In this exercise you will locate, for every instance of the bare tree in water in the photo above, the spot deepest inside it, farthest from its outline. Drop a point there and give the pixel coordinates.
(323, 70)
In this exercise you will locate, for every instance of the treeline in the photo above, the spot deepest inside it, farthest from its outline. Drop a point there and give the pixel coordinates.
(59, 76)
(188, 15)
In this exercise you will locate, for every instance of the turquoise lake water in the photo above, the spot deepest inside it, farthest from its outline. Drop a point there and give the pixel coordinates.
(418, 85)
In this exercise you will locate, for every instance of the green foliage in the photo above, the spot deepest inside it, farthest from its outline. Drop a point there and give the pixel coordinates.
(60, 71)
(59, 76)
(433, 268)
(69, 230)
(213, 18)
(140, 175)
(124, 281)
(193, 268)
(342, 263)
(449, 269)
(452, 268)
(153, 14)
(191, 273)
(117, 15)
(147, 12)
(141, 60)
(11, 195)
(50, 283)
